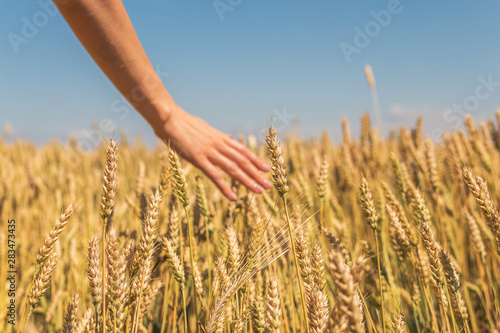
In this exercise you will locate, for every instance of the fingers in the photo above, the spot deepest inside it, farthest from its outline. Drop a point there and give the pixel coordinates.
(242, 149)
(211, 171)
(233, 169)
(246, 165)
(236, 165)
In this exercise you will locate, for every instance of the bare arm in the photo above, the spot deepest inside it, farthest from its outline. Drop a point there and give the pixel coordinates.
(105, 30)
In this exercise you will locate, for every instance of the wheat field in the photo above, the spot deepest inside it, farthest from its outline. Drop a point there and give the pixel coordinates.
(365, 235)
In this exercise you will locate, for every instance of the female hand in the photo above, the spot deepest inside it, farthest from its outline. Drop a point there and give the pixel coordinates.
(207, 148)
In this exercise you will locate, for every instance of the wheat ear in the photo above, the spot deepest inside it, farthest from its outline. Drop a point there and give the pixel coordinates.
(398, 324)
(348, 301)
(317, 302)
(322, 186)
(53, 236)
(454, 287)
(117, 286)
(40, 284)
(95, 275)
(42, 279)
(71, 316)
(258, 315)
(477, 186)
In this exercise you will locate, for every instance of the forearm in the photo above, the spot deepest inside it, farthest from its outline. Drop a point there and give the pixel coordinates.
(105, 30)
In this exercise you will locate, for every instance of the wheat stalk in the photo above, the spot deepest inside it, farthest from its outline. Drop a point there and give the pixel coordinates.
(281, 184)
(177, 270)
(372, 218)
(107, 203)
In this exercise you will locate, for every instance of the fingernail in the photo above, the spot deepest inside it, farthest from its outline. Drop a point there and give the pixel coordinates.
(258, 189)
(267, 183)
(232, 196)
(266, 167)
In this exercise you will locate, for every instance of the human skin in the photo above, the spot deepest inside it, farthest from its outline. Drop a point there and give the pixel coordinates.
(104, 29)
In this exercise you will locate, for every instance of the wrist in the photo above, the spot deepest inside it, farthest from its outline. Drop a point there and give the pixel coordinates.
(159, 113)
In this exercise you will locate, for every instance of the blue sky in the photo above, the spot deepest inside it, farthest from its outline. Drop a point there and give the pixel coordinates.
(258, 59)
